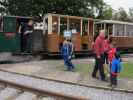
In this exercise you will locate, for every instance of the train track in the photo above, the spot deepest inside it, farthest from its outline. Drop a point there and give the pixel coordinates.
(14, 90)
(28, 87)
(11, 92)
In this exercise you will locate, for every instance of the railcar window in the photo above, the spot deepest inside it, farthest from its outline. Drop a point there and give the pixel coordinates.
(91, 27)
(55, 24)
(85, 27)
(75, 25)
(1, 24)
(46, 24)
(63, 25)
(97, 28)
(109, 29)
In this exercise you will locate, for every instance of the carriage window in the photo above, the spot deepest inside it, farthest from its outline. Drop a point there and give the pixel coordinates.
(117, 33)
(45, 25)
(119, 30)
(55, 24)
(85, 27)
(1, 24)
(97, 28)
(91, 27)
(63, 25)
(75, 25)
(129, 30)
(132, 33)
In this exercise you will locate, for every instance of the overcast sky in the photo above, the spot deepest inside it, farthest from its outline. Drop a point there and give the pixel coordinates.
(126, 4)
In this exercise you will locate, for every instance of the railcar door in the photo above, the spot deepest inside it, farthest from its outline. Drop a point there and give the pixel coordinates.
(85, 35)
(75, 28)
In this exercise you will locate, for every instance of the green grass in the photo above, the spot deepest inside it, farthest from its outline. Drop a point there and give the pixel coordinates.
(85, 69)
(80, 68)
(127, 70)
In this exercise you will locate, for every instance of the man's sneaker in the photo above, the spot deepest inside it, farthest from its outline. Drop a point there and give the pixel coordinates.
(95, 77)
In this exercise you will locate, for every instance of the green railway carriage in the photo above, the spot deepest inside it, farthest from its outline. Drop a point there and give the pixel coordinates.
(10, 37)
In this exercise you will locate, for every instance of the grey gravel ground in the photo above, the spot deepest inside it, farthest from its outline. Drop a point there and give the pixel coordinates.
(90, 93)
(8, 57)
(27, 96)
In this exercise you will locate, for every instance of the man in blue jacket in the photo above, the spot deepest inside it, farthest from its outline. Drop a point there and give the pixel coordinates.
(66, 52)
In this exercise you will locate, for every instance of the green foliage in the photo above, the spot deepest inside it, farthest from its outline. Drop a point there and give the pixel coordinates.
(121, 15)
(131, 14)
(40, 7)
(107, 13)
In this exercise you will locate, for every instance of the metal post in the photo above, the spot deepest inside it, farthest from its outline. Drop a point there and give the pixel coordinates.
(59, 25)
(104, 27)
(101, 26)
(125, 30)
(68, 23)
(88, 27)
(49, 24)
(81, 27)
(113, 29)
(93, 28)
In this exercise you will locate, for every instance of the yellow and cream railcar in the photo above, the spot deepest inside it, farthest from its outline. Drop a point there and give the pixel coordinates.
(81, 32)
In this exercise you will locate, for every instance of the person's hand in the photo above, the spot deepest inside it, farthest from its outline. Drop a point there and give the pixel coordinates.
(69, 57)
(98, 57)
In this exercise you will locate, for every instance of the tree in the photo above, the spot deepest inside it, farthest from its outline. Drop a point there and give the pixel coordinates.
(2, 8)
(40, 7)
(121, 15)
(131, 14)
(106, 12)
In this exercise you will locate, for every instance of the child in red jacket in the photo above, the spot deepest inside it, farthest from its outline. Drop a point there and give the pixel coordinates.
(111, 56)
(111, 53)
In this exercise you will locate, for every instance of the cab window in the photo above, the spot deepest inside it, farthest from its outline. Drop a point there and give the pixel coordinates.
(1, 24)
(54, 24)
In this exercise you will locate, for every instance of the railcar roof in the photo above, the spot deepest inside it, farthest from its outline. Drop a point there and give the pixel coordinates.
(114, 22)
(96, 20)
(76, 17)
(19, 17)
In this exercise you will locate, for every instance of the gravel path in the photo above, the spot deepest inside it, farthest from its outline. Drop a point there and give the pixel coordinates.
(75, 90)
